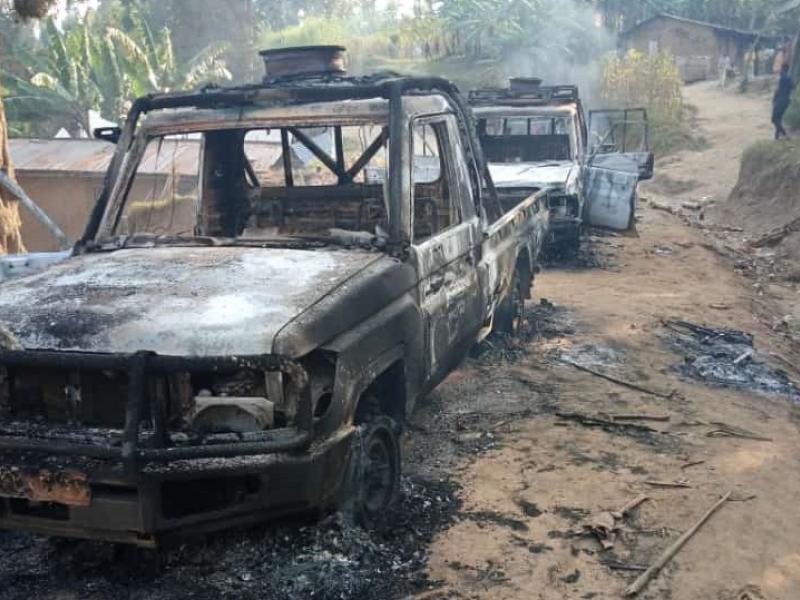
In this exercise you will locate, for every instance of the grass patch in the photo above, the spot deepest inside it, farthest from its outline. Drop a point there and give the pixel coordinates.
(769, 155)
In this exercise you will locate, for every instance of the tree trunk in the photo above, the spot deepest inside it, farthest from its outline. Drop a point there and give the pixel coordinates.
(10, 224)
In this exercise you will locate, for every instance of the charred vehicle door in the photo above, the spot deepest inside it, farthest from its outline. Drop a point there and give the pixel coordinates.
(444, 240)
(618, 158)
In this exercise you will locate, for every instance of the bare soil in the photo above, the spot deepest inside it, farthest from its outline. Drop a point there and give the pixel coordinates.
(569, 472)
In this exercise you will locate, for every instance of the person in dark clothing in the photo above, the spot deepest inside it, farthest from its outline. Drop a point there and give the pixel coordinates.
(781, 101)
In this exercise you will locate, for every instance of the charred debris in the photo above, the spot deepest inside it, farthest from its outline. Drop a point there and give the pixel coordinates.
(726, 358)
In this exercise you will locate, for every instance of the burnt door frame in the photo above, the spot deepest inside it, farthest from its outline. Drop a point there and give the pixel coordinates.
(448, 283)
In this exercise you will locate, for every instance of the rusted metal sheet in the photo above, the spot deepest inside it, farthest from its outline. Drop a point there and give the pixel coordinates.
(61, 155)
(92, 157)
(64, 487)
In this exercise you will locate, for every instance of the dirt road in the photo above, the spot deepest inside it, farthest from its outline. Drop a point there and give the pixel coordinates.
(728, 122)
(550, 475)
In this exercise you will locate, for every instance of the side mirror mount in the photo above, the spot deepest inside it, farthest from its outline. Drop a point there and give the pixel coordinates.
(108, 134)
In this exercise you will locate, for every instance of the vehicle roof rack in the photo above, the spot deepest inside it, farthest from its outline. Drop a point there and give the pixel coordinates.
(541, 95)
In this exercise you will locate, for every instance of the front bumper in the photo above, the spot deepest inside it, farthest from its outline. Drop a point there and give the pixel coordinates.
(143, 487)
(167, 502)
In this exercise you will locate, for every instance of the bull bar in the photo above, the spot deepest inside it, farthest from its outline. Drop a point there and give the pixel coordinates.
(141, 364)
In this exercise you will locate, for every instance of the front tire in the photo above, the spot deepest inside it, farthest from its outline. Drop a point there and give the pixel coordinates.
(372, 479)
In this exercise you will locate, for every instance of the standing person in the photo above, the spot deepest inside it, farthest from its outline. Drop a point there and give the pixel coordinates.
(781, 101)
(724, 66)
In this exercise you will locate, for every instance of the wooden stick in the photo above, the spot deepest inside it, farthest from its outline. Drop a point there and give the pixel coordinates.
(621, 382)
(643, 579)
(730, 431)
(668, 484)
(692, 464)
(620, 566)
(663, 418)
(590, 421)
(622, 512)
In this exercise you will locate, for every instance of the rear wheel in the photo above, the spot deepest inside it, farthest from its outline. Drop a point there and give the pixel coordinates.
(372, 481)
(510, 312)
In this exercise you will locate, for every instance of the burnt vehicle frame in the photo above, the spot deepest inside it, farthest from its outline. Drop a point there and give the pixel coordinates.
(591, 176)
(299, 467)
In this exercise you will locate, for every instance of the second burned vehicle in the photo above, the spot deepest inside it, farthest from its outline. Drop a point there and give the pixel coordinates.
(243, 337)
(539, 138)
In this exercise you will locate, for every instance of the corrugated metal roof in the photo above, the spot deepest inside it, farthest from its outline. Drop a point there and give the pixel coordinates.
(717, 27)
(70, 155)
(93, 156)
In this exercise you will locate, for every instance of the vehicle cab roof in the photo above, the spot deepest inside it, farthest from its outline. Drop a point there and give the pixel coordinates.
(339, 101)
(561, 110)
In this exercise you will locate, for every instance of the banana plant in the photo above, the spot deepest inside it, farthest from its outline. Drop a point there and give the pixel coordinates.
(150, 61)
(89, 66)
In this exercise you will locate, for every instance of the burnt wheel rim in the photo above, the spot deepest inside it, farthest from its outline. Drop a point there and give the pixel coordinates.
(379, 473)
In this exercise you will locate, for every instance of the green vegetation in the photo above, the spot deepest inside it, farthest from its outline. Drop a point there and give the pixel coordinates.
(770, 155)
(92, 64)
(100, 59)
(758, 15)
(792, 117)
(638, 80)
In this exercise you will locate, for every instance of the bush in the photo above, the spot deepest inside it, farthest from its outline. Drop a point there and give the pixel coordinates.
(652, 82)
(792, 117)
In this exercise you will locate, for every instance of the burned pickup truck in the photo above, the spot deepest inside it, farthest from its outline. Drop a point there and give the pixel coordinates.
(247, 320)
(537, 138)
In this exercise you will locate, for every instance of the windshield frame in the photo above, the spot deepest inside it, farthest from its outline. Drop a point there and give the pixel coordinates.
(162, 123)
(570, 113)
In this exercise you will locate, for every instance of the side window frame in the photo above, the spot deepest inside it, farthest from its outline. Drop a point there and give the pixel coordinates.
(438, 124)
(461, 192)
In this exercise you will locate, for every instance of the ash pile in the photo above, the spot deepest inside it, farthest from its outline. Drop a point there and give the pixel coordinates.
(330, 559)
(726, 358)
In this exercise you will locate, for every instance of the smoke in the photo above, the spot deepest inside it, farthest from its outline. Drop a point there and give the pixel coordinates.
(568, 46)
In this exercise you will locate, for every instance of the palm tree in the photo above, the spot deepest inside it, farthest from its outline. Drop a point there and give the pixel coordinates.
(87, 68)
(69, 79)
(90, 67)
(150, 64)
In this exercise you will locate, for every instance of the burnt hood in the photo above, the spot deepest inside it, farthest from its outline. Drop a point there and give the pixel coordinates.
(178, 300)
(542, 175)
